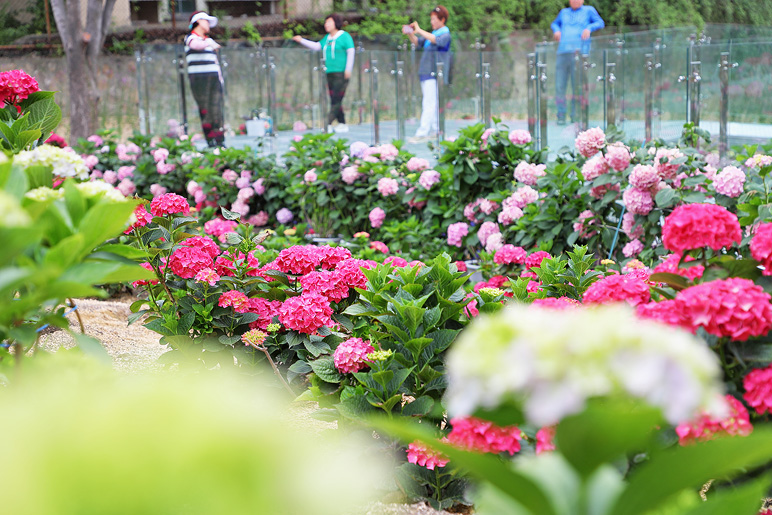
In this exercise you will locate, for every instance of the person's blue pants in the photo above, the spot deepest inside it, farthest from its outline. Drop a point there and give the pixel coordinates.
(564, 70)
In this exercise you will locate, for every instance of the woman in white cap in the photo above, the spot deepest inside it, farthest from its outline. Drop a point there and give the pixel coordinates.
(205, 75)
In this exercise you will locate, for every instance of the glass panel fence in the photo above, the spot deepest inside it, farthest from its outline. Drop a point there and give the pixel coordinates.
(750, 92)
(159, 94)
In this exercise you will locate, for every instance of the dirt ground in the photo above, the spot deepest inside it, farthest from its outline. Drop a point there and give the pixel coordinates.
(135, 349)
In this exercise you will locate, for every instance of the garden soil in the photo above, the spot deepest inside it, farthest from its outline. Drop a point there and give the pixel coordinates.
(135, 349)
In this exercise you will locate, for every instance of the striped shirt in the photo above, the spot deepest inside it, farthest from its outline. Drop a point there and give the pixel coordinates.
(200, 61)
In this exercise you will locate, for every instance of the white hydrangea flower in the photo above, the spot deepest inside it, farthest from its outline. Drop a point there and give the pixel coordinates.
(64, 162)
(554, 361)
(44, 194)
(98, 187)
(11, 212)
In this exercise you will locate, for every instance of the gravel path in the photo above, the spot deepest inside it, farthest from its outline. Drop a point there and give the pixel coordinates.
(135, 349)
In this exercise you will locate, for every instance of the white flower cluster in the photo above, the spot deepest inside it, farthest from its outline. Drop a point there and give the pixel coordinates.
(99, 187)
(11, 212)
(44, 194)
(553, 361)
(64, 162)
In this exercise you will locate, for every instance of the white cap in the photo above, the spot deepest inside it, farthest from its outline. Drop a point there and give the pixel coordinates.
(203, 16)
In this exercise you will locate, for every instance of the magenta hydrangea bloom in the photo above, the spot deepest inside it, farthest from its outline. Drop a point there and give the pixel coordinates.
(203, 243)
(761, 247)
(693, 226)
(306, 313)
(707, 427)
(351, 271)
(535, 259)
(169, 204)
(186, 262)
(351, 355)
(510, 255)
(330, 284)
(299, 259)
(618, 288)
(479, 435)
(590, 142)
(235, 299)
(758, 389)
(670, 266)
(419, 454)
(457, 232)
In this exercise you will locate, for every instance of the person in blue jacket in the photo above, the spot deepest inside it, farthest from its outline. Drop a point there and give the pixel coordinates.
(572, 29)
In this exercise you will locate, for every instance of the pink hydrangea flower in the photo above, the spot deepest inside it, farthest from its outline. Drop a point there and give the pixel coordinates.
(351, 271)
(528, 173)
(265, 309)
(637, 201)
(186, 262)
(310, 176)
(349, 174)
(469, 210)
(245, 194)
(663, 161)
(326, 283)
(387, 186)
(618, 156)
(203, 243)
(706, 427)
(95, 139)
(590, 142)
(351, 355)
(417, 164)
(617, 288)
(429, 178)
(729, 181)
(599, 192)
(632, 248)
(207, 275)
(110, 177)
(485, 135)
(693, 226)
(509, 214)
(157, 189)
(486, 230)
(758, 389)
(628, 226)
(594, 167)
(479, 435)
(169, 204)
(284, 216)
(305, 313)
(258, 186)
(163, 168)
(761, 247)
(193, 187)
(259, 219)
(545, 440)
(160, 154)
(91, 161)
(582, 225)
(240, 207)
(419, 454)
(494, 242)
(670, 266)
(230, 176)
(219, 227)
(519, 137)
(299, 259)
(143, 282)
(142, 216)
(644, 177)
(535, 259)
(395, 261)
(758, 161)
(127, 187)
(243, 182)
(456, 233)
(126, 171)
(510, 255)
(380, 246)
(235, 299)
(487, 206)
(15, 86)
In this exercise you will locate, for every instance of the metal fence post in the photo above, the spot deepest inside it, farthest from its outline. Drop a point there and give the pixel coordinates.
(440, 102)
(541, 100)
(373, 72)
(143, 108)
(271, 87)
(399, 73)
(648, 85)
(479, 75)
(487, 95)
(657, 81)
(585, 98)
(360, 103)
(532, 89)
(322, 77)
(181, 72)
(609, 80)
(723, 121)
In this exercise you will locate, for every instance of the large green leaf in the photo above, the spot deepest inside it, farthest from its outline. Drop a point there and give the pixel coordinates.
(324, 368)
(44, 116)
(674, 470)
(103, 221)
(26, 138)
(743, 500)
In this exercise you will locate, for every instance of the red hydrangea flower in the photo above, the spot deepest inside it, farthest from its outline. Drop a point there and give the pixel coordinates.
(143, 282)
(299, 259)
(670, 265)
(142, 216)
(351, 355)
(479, 435)
(693, 226)
(535, 259)
(305, 313)
(666, 311)
(351, 272)
(202, 243)
(556, 303)
(235, 299)
(169, 204)
(225, 264)
(324, 282)
(331, 256)
(265, 309)
(509, 255)
(545, 440)
(761, 247)
(737, 422)
(419, 454)
(617, 288)
(15, 86)
(186, 262)
(219, 227)
(379, 245)
(395, 261)
(460, 266)
(55, 140)
(758, 389)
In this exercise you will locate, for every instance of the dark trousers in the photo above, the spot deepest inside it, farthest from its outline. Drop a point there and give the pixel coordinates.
(208, 91)
(336, 85)
(564, 70)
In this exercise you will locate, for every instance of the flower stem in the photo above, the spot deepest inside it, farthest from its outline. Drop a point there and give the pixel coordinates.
(275, 368)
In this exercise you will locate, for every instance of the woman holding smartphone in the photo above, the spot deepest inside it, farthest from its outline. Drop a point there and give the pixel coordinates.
(338, 54)
(438, 40)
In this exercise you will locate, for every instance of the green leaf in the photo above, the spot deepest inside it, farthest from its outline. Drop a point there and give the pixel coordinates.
(92, 347)
(676, 469)
(316, 348)
(383, 377)
(677, 282)
(25, 138)
(741, 500)
(419, 407)
(45, 115)
(230, 215)
(665, 197)
(324, 368)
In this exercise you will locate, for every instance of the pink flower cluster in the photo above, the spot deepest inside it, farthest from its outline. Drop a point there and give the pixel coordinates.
(761, 247)
(529, 173)
(326, 283)
(582, 226)
(706, 427)
(310, 176)
(429, 178)
(510, 255)
(457, 232)
(644, 177)
(186, 262)
(590, 142)
(142, 216)
(594, 167)
(387, 186)
(305, 313)
(235, 299)
(519, 137)
(169, 204)
(143, 282)
(521, 197)
(509, 214)
(638, 201)
(349, 174)
(417, 164)
(377, 216)
(265, 309)
(15, 86)
(758, 389)
(758, 160)
(351, 271)
(670, 266)
(487, 229)
(420, 454)
(663, 161)
(729, 181)
(693, 226)
(219, 227)
(535, 259)
(632, 248)
(380, 246)
(545, 439)
(618, 156)
(207, 275)
(351, 355)
(618, 288)
(735, 308)
(284, 216)
(299, 259)
(479, 435)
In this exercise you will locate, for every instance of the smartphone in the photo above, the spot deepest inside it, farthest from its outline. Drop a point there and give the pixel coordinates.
(407, 29)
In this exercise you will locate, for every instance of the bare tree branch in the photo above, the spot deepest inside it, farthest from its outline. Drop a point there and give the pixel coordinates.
(60, 18)
(107, 14)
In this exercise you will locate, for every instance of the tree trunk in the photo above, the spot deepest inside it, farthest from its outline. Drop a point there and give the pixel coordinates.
(82, 49)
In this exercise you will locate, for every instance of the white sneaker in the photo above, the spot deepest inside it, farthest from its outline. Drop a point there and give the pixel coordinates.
(419, 139)
(341, 128)
(329, 129)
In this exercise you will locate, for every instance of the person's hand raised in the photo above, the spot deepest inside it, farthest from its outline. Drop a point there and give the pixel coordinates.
(556, 36)
(586, 34)
(297, 39)
(415, 26)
